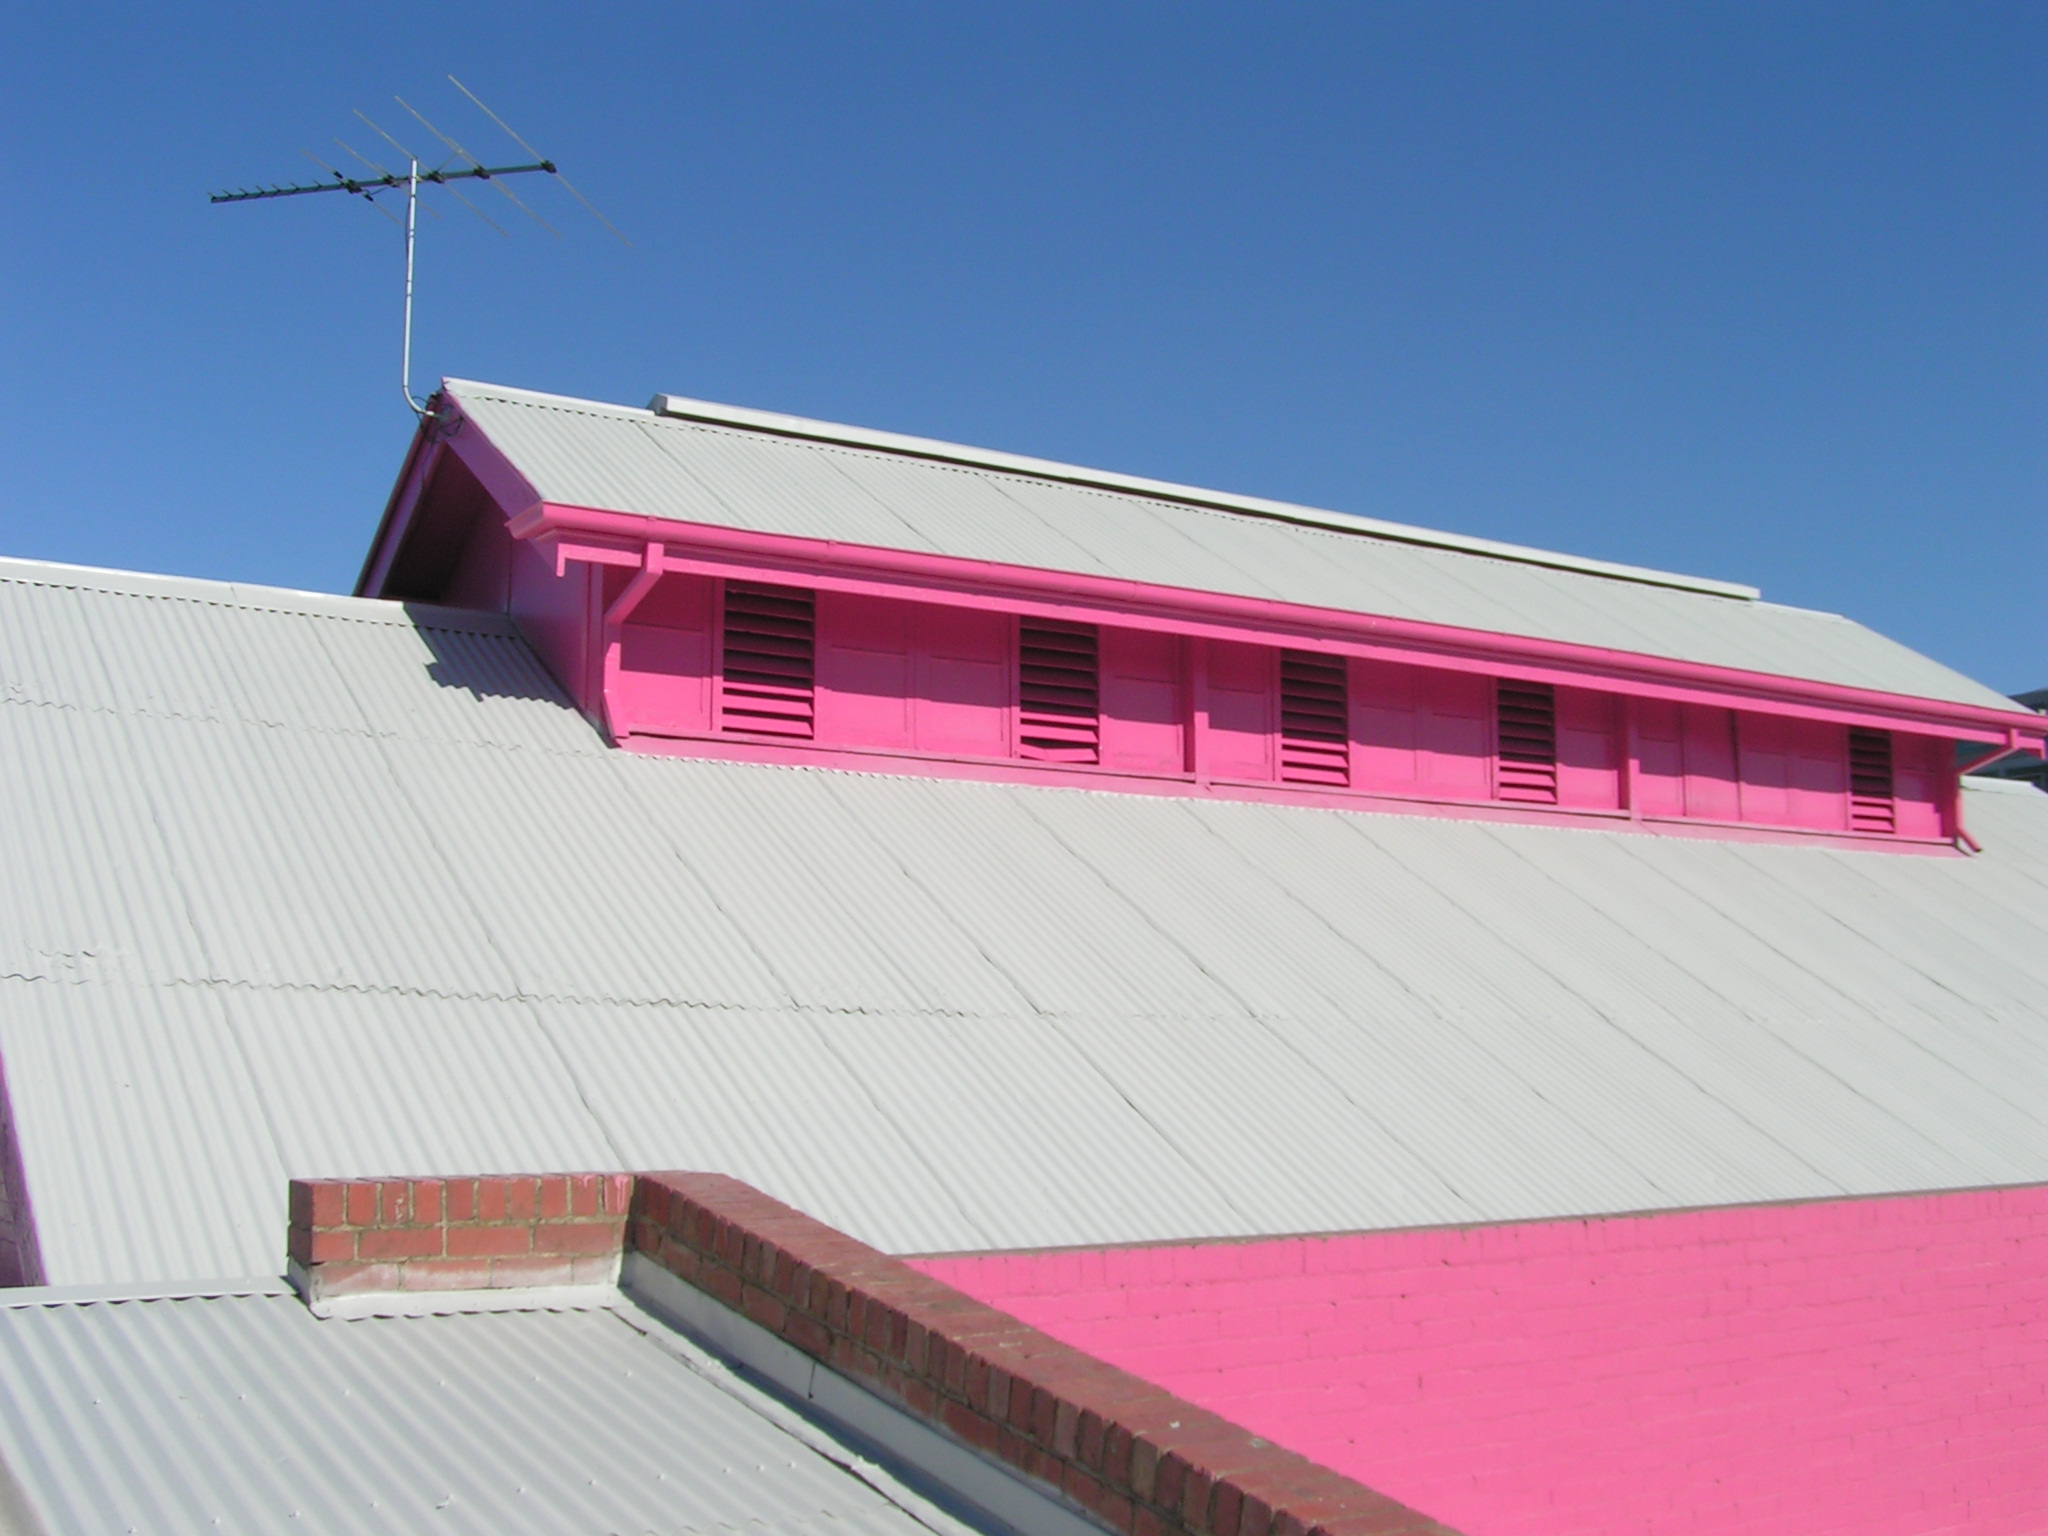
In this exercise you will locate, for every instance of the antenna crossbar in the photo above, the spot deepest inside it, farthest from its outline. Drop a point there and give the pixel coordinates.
(369, 186)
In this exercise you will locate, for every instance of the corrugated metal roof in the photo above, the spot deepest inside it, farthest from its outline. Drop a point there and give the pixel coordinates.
(420, 921)
(580, 453)
(244, 1415)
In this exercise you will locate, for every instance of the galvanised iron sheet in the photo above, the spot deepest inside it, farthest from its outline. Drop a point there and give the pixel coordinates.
(615, 458)
(418, 920)
(243, 1415)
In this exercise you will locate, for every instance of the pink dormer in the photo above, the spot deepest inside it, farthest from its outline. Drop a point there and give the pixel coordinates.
(712, 581)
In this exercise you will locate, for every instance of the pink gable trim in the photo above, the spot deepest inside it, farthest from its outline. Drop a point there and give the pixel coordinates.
(1877, 1366)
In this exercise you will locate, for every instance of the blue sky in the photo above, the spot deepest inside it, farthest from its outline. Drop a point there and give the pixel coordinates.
(1753, 291)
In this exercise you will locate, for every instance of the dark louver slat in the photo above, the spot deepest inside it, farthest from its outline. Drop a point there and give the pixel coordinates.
(1872, 794)
(770, 644)
(1315, 726)
(1059, 717)
(1526, 736)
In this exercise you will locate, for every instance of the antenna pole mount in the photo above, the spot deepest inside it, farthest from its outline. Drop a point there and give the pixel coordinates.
(412, 209)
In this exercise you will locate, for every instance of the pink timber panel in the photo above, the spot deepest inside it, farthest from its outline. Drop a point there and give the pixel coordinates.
(558, 615)
(664, 681)
(1243, 693)
(1415, 731)
(1793, 773)
(1876, 1366)
(913, 675)
(1921, 766)
(1143, 710)
(1659, 737)
(863, 671)
(1685, 761)
(964, 679)
(1588, 757)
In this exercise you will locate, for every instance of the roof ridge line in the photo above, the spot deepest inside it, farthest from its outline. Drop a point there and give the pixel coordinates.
(257, 596)
(685, 408)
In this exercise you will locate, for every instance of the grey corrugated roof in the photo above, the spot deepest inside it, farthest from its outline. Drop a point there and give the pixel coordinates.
(243, 1415)
(321, 886)
(580, 453)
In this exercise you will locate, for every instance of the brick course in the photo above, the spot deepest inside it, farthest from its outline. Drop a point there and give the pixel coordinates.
(1141, 1460)
(358, 1236)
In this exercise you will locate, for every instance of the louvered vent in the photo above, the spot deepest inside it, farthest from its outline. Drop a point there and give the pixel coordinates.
(1059, 716)
(1871, 791)
(769, 634)
(1526, 715)
(1315, 734)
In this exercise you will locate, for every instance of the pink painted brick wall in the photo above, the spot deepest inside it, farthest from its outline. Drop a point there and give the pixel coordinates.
(1877, 1366)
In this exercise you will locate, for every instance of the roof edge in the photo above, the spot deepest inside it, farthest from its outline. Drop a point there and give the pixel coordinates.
(242, 594)
(687, 409)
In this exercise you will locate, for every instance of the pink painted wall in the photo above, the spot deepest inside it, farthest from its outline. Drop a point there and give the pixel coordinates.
(1876, 1366)
(1143, 701)
(940, 681)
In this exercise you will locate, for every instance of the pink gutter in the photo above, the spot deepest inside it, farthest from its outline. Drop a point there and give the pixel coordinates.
(595, 536)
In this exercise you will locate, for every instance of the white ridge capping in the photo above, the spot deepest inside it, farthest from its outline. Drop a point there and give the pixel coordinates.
(684, 408)
(987, 1484)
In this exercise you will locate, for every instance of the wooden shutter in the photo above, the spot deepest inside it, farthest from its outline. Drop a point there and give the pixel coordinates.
(1525, 737)
(769, 683)
(1315, 719)
(1059, 711)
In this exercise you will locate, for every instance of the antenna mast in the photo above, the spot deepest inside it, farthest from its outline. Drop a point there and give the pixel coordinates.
(369, 187)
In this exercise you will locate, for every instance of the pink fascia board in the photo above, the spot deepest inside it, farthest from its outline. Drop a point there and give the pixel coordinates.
(615, 538)
(1873, 1365)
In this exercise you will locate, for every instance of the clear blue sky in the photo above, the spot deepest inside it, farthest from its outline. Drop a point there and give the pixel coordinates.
(1754, 291)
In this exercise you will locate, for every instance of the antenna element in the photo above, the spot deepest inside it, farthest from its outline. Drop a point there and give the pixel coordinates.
(369, 187)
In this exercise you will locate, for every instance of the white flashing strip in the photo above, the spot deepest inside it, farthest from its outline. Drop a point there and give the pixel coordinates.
(150, 1290)
(988, 1485)
(517, 1298)
(593, 1297)
(686, 409)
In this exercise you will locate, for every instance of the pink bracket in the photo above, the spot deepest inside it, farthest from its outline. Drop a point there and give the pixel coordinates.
(650, 571)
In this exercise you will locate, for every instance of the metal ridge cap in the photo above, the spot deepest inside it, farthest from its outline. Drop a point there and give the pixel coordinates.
(114, 581)
(684, 408)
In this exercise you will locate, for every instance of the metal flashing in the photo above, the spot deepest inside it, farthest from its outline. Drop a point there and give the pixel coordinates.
(990, 1487)
(252, 596)
(162, 1290)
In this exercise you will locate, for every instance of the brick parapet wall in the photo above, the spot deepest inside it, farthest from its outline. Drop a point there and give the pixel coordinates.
(1142, 1461)
(363, 1236)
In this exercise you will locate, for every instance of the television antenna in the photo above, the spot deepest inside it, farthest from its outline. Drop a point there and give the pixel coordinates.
(465, 167)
